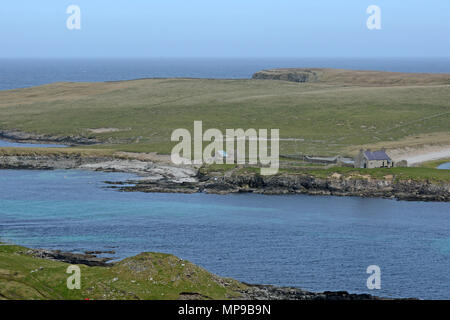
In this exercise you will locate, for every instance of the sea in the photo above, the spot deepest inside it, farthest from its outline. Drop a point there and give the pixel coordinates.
(20, 73)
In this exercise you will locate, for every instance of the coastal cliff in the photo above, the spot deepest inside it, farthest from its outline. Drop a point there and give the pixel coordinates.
(352, 77)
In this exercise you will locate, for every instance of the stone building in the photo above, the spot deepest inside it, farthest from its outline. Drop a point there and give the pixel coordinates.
(373, 159)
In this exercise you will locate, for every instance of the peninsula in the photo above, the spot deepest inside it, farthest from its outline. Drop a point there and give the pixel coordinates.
(320, 113)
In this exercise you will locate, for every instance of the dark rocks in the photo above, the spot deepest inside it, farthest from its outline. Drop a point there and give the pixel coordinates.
(302, 184)
(293, 75)
(266, 292)
(307, 184)
(72, 258)
(47, 161)
(162, 186)
(100, 252)
(18, 136)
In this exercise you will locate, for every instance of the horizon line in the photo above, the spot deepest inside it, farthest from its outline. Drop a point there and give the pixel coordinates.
(232, 58)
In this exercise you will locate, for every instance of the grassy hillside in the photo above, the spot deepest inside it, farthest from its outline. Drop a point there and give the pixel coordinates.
(146, 276)
(327, 117)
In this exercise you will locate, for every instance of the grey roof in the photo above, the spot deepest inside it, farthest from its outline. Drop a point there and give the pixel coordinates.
(376, 155)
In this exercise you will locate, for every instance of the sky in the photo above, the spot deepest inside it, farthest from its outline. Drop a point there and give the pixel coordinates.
(219, 28)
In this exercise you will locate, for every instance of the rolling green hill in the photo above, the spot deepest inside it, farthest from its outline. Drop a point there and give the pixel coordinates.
(145, 276)
(335, 113)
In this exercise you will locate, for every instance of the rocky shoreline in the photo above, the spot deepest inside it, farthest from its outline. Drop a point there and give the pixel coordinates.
(302, 184)
(166, 178)
(336, 185)
(147, 170)
(88, 259)
(23, 137)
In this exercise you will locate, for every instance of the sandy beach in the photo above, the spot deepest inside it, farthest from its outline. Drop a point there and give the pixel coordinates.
(415, 156)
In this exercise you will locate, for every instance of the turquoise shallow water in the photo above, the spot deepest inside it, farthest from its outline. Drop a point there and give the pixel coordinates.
(316, 243)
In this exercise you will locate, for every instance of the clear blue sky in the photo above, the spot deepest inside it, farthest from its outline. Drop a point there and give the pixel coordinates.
(224, 28)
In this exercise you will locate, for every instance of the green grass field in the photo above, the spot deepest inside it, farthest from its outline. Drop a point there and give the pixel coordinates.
(331, 118)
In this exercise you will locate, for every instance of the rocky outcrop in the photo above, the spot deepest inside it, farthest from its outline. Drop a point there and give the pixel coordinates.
(150, 172)
(18, 136)
(72, 258)
(294, 75)
(336, 185)
(48, 162)
(266, 292)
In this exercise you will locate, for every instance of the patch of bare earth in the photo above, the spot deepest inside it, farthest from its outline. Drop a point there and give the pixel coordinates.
(106, 130)
(152, 156)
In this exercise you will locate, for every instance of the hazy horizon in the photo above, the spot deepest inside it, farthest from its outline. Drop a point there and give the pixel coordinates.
(224, 29)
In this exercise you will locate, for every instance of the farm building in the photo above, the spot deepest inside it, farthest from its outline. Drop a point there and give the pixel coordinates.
(373, 159)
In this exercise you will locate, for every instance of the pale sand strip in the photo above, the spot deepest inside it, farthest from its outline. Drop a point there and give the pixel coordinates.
(416, 156)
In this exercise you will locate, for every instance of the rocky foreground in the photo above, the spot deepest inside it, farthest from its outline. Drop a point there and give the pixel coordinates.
(41, 274)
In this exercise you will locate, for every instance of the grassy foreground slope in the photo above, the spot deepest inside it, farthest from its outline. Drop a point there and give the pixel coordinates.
(336, 113)
(145, 276)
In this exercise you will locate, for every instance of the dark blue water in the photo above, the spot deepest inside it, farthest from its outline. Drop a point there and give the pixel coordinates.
(317, 243)
(19, 73)
(4, 143)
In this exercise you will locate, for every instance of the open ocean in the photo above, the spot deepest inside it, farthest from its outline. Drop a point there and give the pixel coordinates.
(20, 73)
